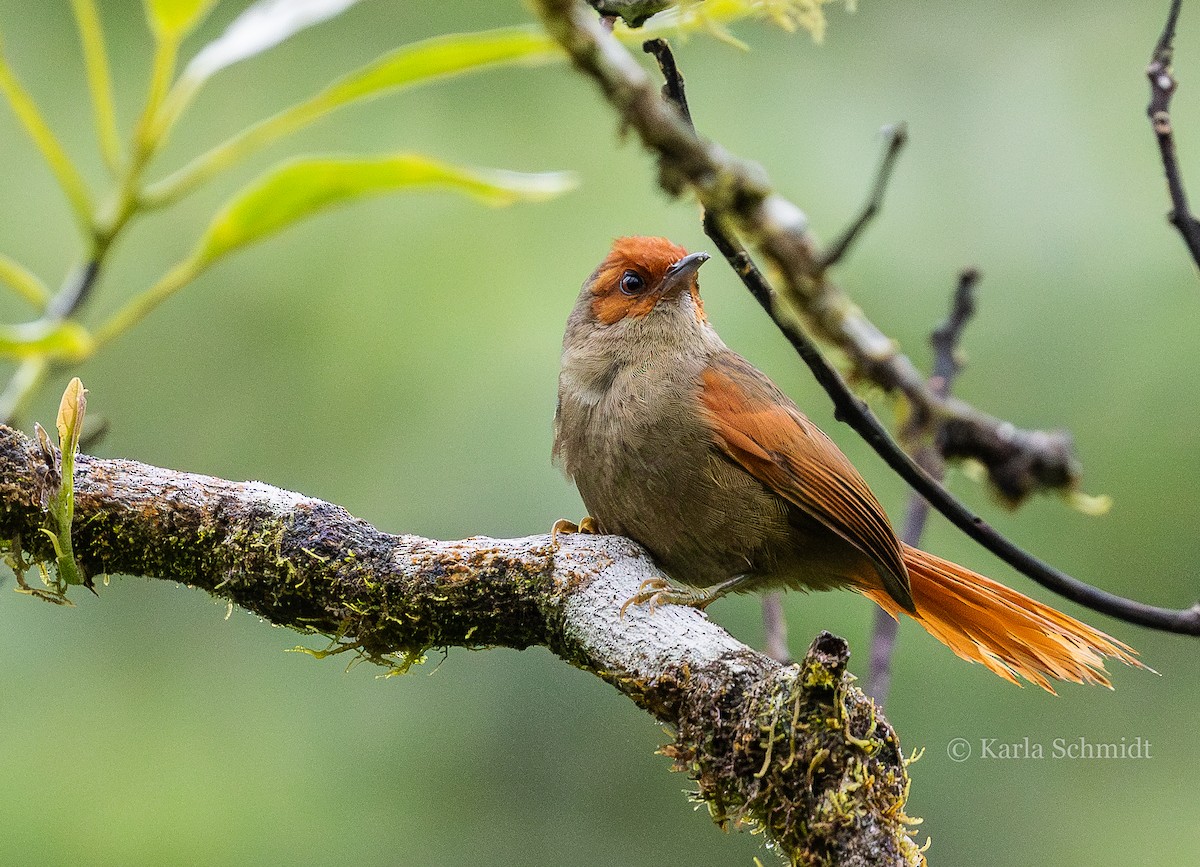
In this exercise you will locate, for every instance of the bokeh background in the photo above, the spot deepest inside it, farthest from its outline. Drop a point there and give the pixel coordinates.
(399, 357)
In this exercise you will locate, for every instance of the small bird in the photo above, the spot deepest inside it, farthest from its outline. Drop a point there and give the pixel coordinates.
(679, 443)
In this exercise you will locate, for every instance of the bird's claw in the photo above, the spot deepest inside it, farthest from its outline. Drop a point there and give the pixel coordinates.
(562, 525)
(660, 591)
(656, 591)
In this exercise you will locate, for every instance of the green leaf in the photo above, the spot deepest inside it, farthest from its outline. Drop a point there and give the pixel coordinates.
(95, 55)
(713, 15)
(61, 506)
(68, 340)
(261, 27)
(171, 20)
(300, 188)
(436, 58)
(69, 422)
(408, 66)
(303, 187)
(30, 116)
(24, 281)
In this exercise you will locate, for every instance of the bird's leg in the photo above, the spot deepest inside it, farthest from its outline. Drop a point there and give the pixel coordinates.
(659, 591)
(562, 525)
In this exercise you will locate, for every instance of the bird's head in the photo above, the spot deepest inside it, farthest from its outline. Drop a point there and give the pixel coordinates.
(644, 276)
(641, 303)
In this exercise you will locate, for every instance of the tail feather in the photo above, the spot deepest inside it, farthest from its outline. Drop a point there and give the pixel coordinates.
(984, 621)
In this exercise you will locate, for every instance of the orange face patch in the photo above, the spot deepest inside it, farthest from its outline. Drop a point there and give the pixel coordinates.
(627, 281)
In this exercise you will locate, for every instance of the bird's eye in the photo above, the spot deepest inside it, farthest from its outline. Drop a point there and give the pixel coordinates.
(632, 283)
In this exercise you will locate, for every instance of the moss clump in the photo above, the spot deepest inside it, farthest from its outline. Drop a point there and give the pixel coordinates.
(802, 756)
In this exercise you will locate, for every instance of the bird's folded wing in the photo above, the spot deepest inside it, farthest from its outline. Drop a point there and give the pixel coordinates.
(759, 428)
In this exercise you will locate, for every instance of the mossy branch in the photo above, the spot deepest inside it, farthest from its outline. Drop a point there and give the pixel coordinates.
(797, 750)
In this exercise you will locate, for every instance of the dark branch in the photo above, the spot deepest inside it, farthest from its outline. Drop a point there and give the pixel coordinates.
(897, 137)
(798, 751)
(74, 292)
(674, 90)
(732, 192)
(884, 631)
(1162, 88)
(946, 366)
(946, 337)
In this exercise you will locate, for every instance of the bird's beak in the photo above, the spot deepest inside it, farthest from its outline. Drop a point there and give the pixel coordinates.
(679, 276)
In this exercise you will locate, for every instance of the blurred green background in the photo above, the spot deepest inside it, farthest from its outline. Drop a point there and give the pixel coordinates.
(399, 357)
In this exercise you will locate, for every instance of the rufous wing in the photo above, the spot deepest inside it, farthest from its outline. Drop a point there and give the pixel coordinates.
(759, 428)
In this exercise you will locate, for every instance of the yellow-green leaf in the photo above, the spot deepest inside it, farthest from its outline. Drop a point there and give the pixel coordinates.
(438, 57)
(262, 26)
(68, 340)
(70, 416)
(174, 19)
(408, 66)
(303, 187)
(31, 118)
(24, 281)
(61, 503)
(95, 55)
(714, 15)
(1093, 505)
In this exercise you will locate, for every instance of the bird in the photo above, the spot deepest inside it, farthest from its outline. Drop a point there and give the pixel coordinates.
(679, 443)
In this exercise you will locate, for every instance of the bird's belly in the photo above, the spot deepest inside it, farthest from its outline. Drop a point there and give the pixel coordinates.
(704, 522)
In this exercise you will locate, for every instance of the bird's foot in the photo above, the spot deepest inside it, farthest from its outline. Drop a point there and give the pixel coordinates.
(562, 525)
(660, 591)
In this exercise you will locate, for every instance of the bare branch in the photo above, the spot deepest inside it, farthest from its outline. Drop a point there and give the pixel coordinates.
(1162, 88)
(897, 137)
(797, 750)
(674, 88)
(946, 337)
(737, 195)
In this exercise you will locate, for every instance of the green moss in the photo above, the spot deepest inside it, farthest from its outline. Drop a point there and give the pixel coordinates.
(802, 756)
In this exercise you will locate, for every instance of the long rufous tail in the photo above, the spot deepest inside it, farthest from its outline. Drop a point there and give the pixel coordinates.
(984, 621)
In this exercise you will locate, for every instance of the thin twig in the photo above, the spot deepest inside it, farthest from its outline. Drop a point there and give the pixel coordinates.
(946, 366)
(674, 88)
(74, 292)
(855, 412)
(686, 157)
(946, 337)
(897, 137)
(1162, 88)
